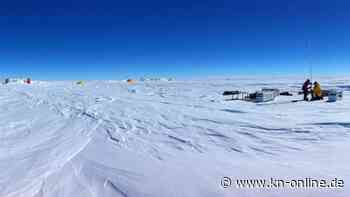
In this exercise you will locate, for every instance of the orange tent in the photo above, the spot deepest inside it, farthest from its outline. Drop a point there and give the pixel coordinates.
(131, 81)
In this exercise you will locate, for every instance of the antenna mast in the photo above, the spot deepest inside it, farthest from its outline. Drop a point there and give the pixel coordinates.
(310, 61)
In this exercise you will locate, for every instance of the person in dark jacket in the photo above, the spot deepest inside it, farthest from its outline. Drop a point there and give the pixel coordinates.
(306, 89)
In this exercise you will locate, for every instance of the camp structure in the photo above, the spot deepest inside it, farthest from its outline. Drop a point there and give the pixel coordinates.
(130, 81)
(334, 95)
(236, 95)
(264, 95)
(17, 81)
(275, 91)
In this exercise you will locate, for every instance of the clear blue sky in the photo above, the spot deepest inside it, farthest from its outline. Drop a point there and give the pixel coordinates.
(118, 39)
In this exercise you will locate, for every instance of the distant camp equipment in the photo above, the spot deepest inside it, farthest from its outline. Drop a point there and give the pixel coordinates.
(252, 96)
(28, 81)
(325, 93)
(237, 95)
(265, 95)
(80, 83)
(286, 94)
(275, 91)
(17, 81)
(131, 81)
(335, 95)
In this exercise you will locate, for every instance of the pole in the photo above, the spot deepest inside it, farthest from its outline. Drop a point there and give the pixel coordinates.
(311, 72)
(309, 60)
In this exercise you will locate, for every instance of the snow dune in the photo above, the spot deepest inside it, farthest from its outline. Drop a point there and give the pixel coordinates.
(178, 138)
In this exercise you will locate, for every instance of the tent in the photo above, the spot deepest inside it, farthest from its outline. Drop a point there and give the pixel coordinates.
(131, 81)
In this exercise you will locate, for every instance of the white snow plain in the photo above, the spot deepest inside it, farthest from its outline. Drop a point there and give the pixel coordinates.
(168, 139)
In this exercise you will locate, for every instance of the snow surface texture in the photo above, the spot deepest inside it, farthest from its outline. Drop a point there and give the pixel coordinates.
(164, 139)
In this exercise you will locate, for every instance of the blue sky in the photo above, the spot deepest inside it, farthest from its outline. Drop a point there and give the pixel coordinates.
(118, 39)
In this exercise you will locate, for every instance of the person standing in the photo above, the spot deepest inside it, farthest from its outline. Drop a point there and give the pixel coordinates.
(306, 89)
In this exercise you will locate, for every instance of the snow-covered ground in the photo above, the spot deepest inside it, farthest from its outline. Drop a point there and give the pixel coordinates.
(164, 139)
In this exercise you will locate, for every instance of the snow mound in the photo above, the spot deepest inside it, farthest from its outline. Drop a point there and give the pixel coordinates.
(109, 138)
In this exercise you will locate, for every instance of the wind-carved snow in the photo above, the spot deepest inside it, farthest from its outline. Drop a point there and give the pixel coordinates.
(179, 138)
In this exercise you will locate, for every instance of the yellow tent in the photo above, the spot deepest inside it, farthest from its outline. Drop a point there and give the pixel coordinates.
(80, 83)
